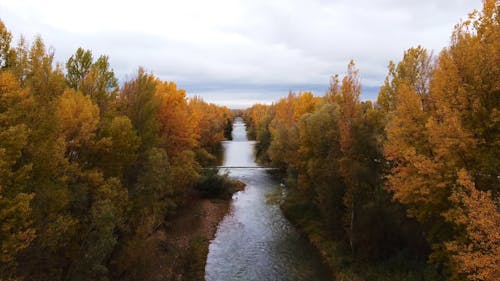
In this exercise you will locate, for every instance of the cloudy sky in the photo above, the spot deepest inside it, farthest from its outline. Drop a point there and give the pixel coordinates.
(237, 52)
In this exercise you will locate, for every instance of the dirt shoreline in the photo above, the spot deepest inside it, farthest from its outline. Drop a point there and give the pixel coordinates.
(182, 245)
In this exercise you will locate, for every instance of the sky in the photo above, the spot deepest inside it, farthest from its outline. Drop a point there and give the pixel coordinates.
(236, 52)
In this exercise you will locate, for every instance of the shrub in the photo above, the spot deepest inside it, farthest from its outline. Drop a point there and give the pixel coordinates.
(214, 185)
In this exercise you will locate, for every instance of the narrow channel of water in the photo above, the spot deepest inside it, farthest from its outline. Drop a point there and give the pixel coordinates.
(255, 241)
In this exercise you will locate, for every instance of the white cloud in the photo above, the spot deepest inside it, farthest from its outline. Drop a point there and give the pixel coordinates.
(236, 42)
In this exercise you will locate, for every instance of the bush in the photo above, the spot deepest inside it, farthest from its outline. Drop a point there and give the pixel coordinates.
(214, 185)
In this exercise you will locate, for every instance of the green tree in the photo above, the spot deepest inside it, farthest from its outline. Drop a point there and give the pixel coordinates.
(140, 103)
(7, 54)
(99, 226)
(414, 70)
(77, 67)
(94, 79)
(154, 190)
(319, 152)
(101, 84)
(116, 150)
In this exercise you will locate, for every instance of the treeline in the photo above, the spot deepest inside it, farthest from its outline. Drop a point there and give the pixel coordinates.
(413, 177)
(88, 169)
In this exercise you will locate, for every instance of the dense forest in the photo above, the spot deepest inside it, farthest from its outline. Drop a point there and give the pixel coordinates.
(410, 179)
(89, 169)
(402, 188)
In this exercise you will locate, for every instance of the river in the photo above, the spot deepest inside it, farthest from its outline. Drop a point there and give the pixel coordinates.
(255, 241)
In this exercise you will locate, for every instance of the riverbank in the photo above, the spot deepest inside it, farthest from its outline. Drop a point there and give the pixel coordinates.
(336, 257)
(182, 245)
(178, 250)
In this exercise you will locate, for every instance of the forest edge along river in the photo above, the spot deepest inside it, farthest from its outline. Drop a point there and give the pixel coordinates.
(255, 241)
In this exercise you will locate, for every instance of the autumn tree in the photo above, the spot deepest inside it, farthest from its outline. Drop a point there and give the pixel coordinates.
(138, 101)
(476, 251)
(283, 128)
(78, 119)
(16, 230)
(465, 133)
(350, 91)
(258, 119)
(321, 182)
(178, 133)
(211, 123)
(88, 171)
(452, 130)
(414, 70)
(117, 149)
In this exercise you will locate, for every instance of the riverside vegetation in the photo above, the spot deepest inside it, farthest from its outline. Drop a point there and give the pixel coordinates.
(405, 188)
(90, 171)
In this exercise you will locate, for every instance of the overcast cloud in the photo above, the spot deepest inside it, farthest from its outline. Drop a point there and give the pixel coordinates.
(236, 52)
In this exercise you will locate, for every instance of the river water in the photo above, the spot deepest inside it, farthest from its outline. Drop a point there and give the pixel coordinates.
(255, 241)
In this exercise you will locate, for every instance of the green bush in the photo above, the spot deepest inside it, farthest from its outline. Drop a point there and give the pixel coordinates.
(214, 185)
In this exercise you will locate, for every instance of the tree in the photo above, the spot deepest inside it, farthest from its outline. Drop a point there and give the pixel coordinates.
(211, 122)
(88, 171)
(100, 84)
(7, 54)
(78, 119)
(414, 70)
(319, 152)
(78, 66)
(45, 151)
(350, 91)
(94, 79)
(98, 237)
(139, 102)
(284, 131)
(258, 119)
(16, 229)
(212, 125)
(177, 126)
(477, 252)
(155, 191)
(431, 138)
(116, 150)
(178, 134)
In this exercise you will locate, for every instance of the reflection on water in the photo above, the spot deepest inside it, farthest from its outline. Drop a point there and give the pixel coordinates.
(255, 241)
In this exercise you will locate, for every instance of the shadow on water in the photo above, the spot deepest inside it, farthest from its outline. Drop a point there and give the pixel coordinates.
(255, 241)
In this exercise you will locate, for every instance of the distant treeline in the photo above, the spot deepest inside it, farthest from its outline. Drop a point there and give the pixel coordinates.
(88, 169)
(411, 178)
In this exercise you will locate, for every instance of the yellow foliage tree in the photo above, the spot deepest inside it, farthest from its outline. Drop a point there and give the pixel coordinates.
(178, 133)
(454, 127)
(16, 231)
(477, 253)
(78, 118)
